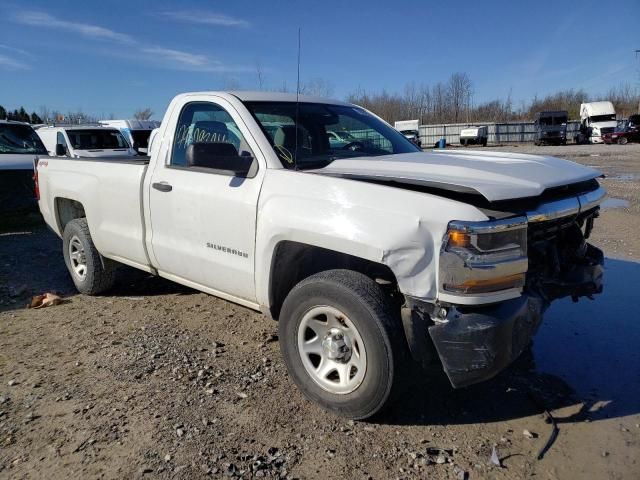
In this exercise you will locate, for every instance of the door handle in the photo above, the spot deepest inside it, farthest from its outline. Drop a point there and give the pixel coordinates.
(162, 186)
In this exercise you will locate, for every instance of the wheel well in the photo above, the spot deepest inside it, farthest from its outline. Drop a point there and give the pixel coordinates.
(68, 210)
(293, 262)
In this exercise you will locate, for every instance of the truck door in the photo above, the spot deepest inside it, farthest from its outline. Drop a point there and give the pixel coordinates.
(203, 221)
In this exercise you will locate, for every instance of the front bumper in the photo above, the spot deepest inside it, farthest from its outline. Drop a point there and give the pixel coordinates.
(475, 346)
(476, 343)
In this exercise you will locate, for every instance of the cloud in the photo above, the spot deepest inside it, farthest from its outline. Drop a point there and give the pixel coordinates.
(157, 55)
(42, 19)
(8, 60)
(10, 63)
(181, 60)
(206, 18)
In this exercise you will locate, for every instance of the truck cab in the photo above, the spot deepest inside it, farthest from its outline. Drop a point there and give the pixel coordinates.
(596, 119)
(19, 147)
(79, 141)
(551, 127)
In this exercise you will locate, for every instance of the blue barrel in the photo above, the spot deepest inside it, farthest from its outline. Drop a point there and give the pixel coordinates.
(442, 143)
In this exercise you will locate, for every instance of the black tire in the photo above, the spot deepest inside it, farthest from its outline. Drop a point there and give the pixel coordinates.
(623, 140)
(100, 272)
(484, 142)
(364, 303)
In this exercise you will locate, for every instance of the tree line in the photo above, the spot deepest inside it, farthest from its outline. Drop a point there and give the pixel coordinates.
(19, 115)
(453, 102)
(47, 115)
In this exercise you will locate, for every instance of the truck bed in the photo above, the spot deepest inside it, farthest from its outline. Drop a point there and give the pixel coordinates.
(130, 160)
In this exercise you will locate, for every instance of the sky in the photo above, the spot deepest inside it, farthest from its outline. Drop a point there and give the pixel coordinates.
(112, 57)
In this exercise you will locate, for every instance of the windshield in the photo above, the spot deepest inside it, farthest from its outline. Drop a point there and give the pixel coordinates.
(325, 133)
(18, 138)
(96, 139)
(603, 118)
(559, 120)
(141, 138)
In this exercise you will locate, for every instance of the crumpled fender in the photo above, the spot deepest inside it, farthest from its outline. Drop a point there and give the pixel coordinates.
(400, 228)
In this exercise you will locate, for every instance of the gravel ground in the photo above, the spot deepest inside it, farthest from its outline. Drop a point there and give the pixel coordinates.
(155, 380)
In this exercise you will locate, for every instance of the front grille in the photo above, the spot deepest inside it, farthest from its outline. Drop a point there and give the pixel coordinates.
(548, 230)
(606, 130)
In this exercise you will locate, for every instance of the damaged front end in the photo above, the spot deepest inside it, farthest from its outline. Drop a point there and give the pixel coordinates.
(525, 262)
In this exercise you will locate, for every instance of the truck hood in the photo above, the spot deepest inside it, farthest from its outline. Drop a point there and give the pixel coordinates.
(17, 161)
(494, 175)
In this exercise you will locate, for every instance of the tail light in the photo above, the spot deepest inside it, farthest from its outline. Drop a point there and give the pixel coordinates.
(35, 179)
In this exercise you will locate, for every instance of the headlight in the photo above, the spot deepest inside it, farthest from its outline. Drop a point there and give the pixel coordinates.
(484, 257)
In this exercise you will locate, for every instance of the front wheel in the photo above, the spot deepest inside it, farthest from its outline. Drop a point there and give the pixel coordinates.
(342, 342)
(91, 272)
(622, 140)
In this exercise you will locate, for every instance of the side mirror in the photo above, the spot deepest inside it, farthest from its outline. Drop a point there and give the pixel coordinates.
(136, 146)
(221, 158)
(61, 150)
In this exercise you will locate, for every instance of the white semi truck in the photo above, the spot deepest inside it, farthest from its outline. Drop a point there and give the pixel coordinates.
(369, 254)
(596, 120)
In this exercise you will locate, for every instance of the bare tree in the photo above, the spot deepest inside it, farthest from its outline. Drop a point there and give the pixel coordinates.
(458, 95)
(318, 87)
(45, 114)
(143, 114)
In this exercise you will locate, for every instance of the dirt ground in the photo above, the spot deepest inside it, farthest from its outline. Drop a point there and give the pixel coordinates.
(155, 380)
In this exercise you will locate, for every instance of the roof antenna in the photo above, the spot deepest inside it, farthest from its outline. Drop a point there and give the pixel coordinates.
(295, 130)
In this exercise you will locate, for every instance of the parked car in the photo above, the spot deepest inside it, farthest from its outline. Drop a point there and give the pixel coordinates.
(136, 132)
(634, 120)
(19, 147)
(623, 135)
(474, 135)
(551, 127)
(340, 139)
(366, 255)
(79, 141)
(596, 119)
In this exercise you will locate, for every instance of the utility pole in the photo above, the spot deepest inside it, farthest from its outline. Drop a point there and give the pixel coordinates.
(638, 53)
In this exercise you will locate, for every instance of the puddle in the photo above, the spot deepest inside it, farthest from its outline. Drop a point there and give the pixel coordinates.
(612, 202)
(593, 345)
(624, 177)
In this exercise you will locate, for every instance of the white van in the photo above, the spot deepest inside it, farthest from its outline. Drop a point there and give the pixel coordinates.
(84, 142)
(137, 132)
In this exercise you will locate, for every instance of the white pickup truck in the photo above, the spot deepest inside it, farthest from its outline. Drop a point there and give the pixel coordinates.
(372, 256)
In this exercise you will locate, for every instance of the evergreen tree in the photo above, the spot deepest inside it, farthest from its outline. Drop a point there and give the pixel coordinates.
(3, 113)
(35, 118)
(23, 116)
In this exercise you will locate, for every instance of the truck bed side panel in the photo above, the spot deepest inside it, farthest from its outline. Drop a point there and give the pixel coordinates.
(110, 195)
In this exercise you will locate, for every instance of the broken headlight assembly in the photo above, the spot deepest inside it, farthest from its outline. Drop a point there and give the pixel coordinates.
(484, 257)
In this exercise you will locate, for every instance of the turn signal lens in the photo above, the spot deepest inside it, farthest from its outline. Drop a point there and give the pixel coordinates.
(458, 239)
(489, 285)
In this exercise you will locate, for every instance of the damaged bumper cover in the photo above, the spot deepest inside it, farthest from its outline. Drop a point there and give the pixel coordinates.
(474, 344)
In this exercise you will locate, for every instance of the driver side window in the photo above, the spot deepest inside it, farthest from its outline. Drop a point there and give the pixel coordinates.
(209, 126)
(61, 141)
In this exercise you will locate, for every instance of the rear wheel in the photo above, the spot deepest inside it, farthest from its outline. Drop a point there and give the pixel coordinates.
(342, 342)
(91, 272)
(623, 140)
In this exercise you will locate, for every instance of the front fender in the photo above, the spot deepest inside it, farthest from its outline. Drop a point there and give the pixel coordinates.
(399, 228)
